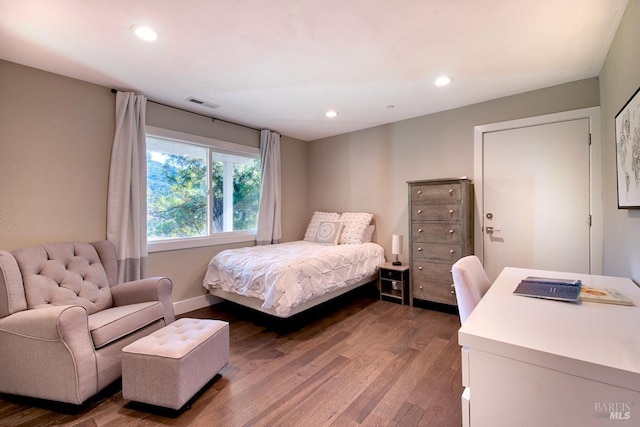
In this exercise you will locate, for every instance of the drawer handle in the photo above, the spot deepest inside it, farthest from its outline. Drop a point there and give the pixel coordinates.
(420, 268)
(450, 191)
(450, 231)
(453, 292)
(451, 211)
(419, 191)
(451, 251)
(419, 249)
(419, 211)
(419, 230)
(453, 286)
(420, 287)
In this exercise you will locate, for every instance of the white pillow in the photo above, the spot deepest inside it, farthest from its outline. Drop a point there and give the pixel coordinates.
(316, 219)
(368, 234)
(329, 232)
(355, 224)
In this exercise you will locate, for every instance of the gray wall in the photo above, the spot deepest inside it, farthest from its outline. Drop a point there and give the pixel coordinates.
(55, 146)
(619, 79)
(368, 170)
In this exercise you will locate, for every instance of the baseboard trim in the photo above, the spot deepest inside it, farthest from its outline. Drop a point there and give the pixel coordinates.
(185, 306)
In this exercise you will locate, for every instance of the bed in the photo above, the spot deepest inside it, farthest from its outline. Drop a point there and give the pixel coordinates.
(287, 278)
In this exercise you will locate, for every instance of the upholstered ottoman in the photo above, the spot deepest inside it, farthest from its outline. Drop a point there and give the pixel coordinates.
(169, 366)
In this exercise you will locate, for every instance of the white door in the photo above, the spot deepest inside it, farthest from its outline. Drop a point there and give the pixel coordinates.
(536, 198)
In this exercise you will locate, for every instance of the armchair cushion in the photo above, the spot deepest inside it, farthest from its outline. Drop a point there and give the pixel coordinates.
(113, 323)
(64, 274)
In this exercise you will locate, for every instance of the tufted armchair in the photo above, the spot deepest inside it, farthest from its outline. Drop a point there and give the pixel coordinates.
(64, 319)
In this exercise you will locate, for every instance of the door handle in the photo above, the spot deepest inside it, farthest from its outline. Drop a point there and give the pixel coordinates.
(490, 230)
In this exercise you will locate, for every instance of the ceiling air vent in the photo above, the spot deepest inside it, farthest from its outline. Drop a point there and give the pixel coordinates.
(203, 103)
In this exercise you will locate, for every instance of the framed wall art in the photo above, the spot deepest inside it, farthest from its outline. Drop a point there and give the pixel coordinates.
(628, 153)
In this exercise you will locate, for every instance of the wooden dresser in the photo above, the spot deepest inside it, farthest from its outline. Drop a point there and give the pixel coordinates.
(440, 233)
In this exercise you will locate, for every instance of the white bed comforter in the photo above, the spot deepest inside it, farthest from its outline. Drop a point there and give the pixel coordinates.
(288, 274)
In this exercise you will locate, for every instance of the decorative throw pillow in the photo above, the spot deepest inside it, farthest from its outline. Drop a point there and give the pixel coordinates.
(316, 219)
(329, 232)
(368, 234)
(355, 224)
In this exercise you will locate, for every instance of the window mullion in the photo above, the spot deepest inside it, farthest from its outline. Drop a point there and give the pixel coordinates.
(227, 188)
(209, 192)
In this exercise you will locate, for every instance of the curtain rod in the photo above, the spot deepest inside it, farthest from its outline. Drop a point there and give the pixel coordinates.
(214, 119)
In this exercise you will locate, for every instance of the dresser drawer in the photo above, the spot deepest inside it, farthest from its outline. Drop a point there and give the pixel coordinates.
(437, 193)
(436, 251)
(448, 212)
(443, 232)
(438, 292)
(431, 272)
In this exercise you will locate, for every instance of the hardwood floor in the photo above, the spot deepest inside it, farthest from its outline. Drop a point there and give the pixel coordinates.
(357, 361)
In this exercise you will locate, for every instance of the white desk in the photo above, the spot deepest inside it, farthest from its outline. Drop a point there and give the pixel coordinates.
(535, 362)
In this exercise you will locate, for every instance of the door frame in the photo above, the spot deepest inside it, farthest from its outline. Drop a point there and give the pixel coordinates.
(596, 239)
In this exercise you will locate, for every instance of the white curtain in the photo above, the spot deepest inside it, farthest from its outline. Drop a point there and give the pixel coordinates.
(269, 215)
(127, 202)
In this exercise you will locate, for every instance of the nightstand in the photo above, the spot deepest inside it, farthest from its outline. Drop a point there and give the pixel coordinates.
(394, 282)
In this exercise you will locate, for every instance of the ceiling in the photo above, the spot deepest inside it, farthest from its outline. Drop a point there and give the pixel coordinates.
(281, 64)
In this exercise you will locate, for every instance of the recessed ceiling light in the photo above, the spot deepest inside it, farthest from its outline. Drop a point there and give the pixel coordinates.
(442, 81)
(145, 33)
(331, 114)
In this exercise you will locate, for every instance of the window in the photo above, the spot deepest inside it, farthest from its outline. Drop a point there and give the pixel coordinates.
(200, 191)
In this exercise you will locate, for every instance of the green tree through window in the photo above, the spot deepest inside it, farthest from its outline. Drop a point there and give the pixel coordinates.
(178, 203)
(177, 197)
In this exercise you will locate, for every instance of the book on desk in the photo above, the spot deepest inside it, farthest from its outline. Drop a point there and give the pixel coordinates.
(606, 296)
(550, 288)
(568, 290)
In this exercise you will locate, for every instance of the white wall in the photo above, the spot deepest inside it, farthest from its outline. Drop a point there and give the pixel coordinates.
(619, 79)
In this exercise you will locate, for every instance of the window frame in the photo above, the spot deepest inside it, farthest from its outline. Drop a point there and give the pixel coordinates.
(220, 238)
